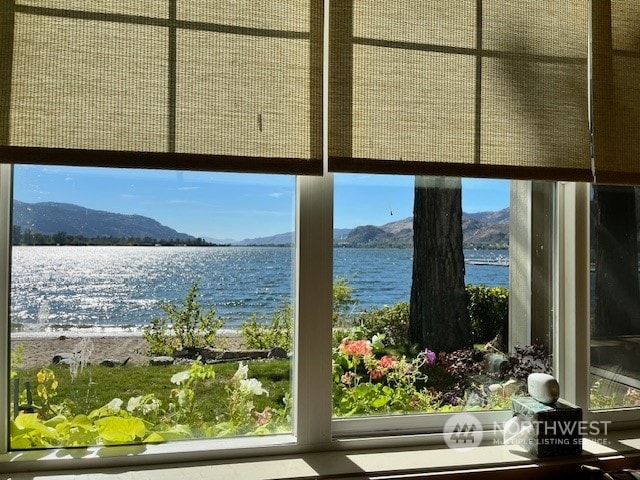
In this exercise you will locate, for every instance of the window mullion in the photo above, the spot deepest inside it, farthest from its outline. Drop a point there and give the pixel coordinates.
(314, 261)
(5, 255)
(572, 362)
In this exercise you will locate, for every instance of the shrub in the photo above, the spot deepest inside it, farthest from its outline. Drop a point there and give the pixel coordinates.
(488, 310)
(391, 321)
(186, 326)
(277, 334)
(343, 302)
(528, 359)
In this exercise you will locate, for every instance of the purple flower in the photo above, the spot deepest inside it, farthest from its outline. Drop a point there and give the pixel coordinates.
(430, 356)
(454, 400)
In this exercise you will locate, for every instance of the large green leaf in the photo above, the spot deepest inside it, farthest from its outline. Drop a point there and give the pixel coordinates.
(121, 430)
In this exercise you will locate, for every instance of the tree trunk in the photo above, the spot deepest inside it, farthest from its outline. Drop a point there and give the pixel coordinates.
(438, 315)
(617, 306)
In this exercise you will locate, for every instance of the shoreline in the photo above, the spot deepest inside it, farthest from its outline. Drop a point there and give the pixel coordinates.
(38, 351)
(97, 331)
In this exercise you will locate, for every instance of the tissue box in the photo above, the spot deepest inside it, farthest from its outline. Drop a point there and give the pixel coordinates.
(558, 428)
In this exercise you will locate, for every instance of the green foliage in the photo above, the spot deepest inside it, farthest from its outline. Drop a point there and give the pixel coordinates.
(367, 379)
(488, 309)
(343, 302)
(16, 360)
(262, 336)
(186, 326)
(364, 383)
(259, 334)
(391, 321)
(607, 394)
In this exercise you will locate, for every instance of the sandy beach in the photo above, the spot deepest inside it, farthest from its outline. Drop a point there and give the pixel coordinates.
(39, 351)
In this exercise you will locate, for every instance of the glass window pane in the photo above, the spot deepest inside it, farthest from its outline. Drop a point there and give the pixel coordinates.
(615, 297)
(423, 276)
(134, 293)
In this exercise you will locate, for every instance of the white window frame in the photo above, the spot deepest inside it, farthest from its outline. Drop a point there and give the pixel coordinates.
(313, 425)
(427, 428)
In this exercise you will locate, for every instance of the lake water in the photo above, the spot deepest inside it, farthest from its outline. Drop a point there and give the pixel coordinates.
(121, 287)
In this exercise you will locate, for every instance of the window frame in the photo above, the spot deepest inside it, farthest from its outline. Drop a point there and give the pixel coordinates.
(313, 424)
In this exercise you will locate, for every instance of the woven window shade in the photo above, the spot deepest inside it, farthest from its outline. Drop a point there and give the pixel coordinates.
(495, 89)
(220, 85)
(616, 91)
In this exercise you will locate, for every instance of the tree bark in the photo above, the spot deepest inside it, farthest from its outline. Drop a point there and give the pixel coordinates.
(617, 292)
(438, 315)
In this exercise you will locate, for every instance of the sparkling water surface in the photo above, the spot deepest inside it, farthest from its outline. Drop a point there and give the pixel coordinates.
(119, 289)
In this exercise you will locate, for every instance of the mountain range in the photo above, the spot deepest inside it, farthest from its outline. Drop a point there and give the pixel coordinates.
(50, 218)
(480, 230)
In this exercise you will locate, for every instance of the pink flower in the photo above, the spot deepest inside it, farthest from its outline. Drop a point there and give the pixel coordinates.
(264, 416)
(382, 367)
(347, 378)
(387, 362)
(356, 348)
(634, 394)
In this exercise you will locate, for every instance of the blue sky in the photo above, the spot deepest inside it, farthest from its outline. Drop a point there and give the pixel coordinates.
(233, 206)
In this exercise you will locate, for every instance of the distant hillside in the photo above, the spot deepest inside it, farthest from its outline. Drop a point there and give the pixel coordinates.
(279, 239)
(50, 218)
(479, 230)
(284, 238)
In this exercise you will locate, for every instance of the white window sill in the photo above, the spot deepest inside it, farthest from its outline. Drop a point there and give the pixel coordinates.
(622, 449)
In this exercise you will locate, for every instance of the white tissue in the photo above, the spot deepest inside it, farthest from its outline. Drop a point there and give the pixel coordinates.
(518, 431)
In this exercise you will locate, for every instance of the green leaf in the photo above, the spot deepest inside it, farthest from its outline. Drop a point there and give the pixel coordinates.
(120, 430)
(55, 421)
(81, 439)
(20, 441)
(155, 437)
(82, 421)
(380, 401)
(173, 432)
(30, 422)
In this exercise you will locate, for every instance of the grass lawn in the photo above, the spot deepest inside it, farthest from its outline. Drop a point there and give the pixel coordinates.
(96, 385)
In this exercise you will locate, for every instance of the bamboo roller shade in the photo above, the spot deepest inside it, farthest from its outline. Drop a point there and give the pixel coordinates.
(492, 88)
(225, 85)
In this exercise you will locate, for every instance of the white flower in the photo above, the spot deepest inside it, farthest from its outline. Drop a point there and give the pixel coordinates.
(180, 377)
(242, 373)
(182, 397)
(133, 403)
(253, 386)
(114, 404)
(151, 406)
